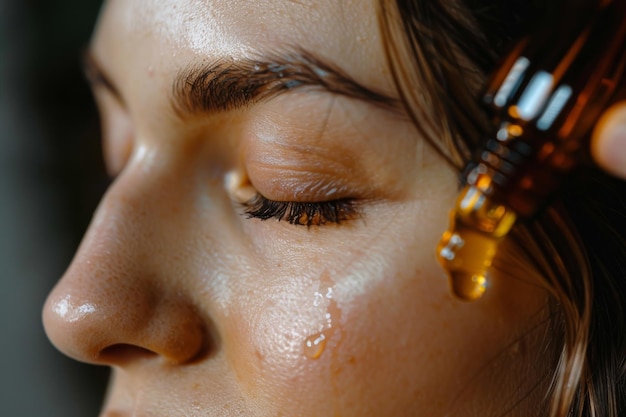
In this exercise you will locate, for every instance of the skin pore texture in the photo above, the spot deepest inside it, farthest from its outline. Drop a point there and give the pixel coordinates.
(202, 310)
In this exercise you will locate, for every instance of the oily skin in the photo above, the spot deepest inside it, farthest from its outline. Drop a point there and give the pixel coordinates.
(204, 312)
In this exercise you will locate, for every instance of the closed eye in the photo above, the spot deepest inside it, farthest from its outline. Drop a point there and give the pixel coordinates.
(302, 213)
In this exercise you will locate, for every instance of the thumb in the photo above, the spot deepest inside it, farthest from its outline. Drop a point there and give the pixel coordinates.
(608, 142)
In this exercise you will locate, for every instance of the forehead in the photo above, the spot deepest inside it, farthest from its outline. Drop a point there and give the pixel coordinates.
(167, 35)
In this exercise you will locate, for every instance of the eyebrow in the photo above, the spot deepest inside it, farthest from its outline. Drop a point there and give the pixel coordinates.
(230, 84)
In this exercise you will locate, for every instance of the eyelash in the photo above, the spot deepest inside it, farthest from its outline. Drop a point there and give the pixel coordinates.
(301, 213)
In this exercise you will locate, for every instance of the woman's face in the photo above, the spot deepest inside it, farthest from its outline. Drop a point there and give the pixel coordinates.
(339, 309)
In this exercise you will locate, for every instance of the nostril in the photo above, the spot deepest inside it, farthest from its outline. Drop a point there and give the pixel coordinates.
(122, 353)
(119, 326)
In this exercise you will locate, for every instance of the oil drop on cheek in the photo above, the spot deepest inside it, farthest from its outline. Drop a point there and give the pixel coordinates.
(315, 344)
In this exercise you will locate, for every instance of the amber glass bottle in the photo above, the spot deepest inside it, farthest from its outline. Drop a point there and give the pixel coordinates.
(545, 99)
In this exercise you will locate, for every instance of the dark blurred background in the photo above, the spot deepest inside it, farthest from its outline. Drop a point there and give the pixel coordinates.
(51, 178)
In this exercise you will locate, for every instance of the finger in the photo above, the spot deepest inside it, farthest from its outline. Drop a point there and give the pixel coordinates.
(608, 144)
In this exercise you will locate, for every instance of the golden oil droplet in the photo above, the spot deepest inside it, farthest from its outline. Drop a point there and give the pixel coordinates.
(467, 286)
(467, 248)
(314, 345)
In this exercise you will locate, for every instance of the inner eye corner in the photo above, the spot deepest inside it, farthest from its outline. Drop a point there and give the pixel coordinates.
(239, 186)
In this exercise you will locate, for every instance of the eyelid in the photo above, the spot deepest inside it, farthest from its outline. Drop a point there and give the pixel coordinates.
(295, 150)
(294, 177)
(301, 190)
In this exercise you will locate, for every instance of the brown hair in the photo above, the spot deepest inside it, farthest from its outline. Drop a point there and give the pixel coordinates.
(440, 52)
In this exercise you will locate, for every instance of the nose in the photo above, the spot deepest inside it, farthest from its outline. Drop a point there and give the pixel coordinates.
(120, 300)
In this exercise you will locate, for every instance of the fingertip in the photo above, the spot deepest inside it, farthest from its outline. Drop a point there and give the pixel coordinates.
(608, 144)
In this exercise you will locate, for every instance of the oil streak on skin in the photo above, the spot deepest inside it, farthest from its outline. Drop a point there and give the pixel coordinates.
(315, 344)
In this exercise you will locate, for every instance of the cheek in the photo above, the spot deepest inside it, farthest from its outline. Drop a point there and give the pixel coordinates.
(342, 335)
(381, 337)
(299, 340)
(280, 342)
(396, 350)
(407, 348)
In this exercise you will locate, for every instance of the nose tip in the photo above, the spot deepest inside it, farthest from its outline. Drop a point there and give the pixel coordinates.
(97, 333)
(125, 294)
(62, 318)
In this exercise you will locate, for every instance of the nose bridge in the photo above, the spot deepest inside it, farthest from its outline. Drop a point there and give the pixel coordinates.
(116, 299)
